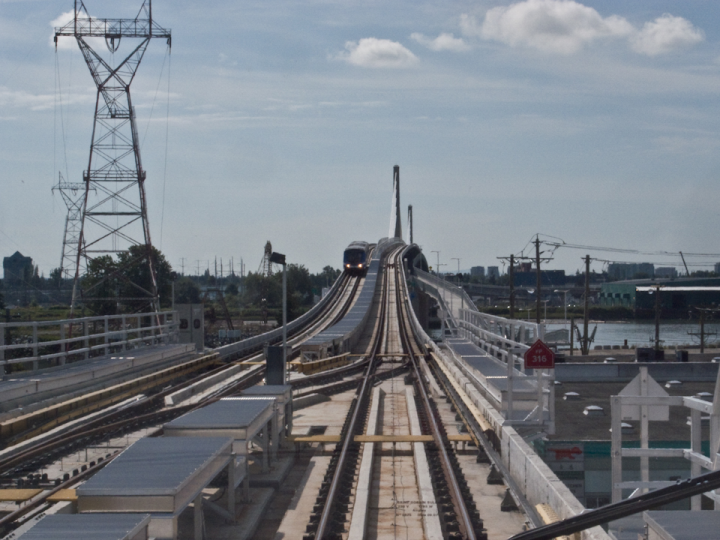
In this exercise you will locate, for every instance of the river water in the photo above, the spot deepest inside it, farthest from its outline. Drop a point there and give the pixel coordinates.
(643, 334)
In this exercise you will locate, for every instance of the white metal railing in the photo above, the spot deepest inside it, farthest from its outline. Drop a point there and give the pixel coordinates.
(75, 339)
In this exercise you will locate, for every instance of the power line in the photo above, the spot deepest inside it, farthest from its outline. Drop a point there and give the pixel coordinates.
(629, 251)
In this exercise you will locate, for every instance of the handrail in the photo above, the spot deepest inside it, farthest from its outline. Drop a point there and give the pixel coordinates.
(130, 333)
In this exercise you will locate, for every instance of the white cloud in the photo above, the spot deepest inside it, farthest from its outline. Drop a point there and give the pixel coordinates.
(469, 26)
(64, 43)
(37, 102)
(67, 43)
(378, 53)
(560, 26)
(444, 42)
(665, 34)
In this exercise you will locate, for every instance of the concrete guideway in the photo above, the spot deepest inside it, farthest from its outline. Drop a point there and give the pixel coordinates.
(399, 462)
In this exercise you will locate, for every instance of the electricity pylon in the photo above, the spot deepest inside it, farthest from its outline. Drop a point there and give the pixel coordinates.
(115, 218)
(73, 195)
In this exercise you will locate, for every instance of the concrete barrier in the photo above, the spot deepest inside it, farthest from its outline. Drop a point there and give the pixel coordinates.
(621, 371)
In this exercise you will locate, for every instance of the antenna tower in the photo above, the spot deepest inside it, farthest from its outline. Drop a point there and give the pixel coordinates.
(115, 218)
(73, 194)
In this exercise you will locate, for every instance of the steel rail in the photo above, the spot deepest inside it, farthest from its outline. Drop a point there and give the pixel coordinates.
(458, 500)
(88, 429)
(362, 394)
(99, 425)
(39, 499)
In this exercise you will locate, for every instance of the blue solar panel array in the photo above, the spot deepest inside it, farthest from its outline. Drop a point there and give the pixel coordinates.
(345, 333)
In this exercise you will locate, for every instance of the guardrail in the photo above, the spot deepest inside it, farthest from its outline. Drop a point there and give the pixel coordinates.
(256, 343)
(60, 341)
(527, 472)
(317, 366)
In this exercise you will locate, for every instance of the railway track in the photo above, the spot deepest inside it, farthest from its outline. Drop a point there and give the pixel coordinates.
(411, 486)
(414, 481)
(23, 468)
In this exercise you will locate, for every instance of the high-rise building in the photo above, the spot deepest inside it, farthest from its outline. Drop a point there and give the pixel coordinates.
(16, 270)
(623, 271)
(493, 272)
(477, 271)
(666, 272)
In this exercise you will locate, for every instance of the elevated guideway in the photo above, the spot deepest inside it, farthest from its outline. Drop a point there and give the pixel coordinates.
(480, 371)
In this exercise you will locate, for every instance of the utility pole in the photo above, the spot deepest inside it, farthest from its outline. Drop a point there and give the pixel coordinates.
(457, 276)
(182, 265)
(572, 335)
(512, 286)
(539, 278)
(702, 333)
(687, 272)
(437, 268)
(657, 318)
(586, 315)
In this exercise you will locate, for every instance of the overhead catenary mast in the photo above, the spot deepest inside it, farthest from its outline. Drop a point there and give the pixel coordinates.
(115, 219)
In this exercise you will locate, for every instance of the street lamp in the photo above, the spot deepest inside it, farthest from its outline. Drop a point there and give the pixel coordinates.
(279, 258)
(437, 268)
(556, 291)
(457, 278)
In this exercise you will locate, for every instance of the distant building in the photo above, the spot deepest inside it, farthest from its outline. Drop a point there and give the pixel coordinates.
(717, 268)
(623, 271)
(16, 269)
(477, 271)
(555, 278)
(624, 293)
(666, 272)
(493, 272)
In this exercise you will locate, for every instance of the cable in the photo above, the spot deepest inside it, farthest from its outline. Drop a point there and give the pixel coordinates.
(62, 116)
(167, 136)
(157, 89)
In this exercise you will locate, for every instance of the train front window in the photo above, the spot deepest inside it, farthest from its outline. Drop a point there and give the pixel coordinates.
(354, 257)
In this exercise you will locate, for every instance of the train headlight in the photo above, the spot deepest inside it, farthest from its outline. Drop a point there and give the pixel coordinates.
(347, 266)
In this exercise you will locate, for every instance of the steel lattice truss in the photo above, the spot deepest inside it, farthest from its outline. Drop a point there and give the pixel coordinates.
(73, 195)
(114, 210)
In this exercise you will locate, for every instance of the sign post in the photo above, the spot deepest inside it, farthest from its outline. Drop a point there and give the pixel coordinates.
(538, 357)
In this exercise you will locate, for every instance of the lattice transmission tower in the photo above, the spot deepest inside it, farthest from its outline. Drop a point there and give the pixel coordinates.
(73, 195)
(114, 210)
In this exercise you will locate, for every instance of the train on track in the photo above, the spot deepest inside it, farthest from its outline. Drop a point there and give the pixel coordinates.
(356, 258)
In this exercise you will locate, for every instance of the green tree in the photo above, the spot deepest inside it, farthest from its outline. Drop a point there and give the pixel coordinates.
(100, 286)
(232, 289)
(107, 280)
(55, 278)
(187, 291)
(324, 279)
(135, 280)
(299, 282)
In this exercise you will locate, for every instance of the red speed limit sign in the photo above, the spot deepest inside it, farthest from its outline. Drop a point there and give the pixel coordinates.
(539, 356)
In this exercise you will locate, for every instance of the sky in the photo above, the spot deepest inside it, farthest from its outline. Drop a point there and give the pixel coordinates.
(592, 124)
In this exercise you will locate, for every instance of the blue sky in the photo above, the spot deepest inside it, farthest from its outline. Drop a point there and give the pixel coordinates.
(593, 122)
